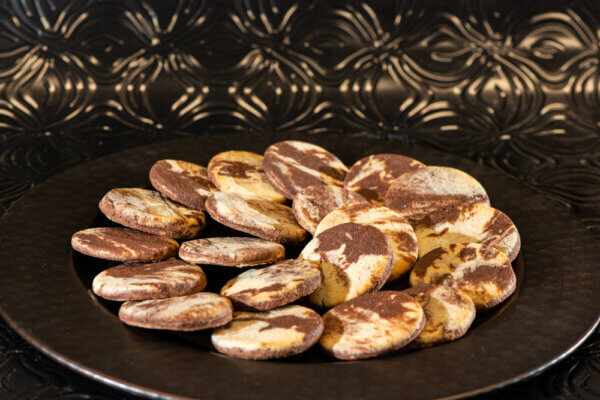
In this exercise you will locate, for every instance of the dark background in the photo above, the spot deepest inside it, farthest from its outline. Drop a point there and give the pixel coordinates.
(513, 85)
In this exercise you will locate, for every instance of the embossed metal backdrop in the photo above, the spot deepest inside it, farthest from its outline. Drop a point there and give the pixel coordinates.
(515, 85)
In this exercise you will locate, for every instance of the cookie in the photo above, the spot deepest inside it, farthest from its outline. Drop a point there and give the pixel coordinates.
(292, 165)
(184, 182)
(354, 259)
(420, 192)
(371, 325)
(449, 313)
(469, 223)
(313, 203)
(482, 272)
(231, 251)
(371, 176)
(398, 231)
(273, 286)
(148, 211)
(276, 333)
(120, 244)
(259, 217)
(184, 313)
(136, 281)
(241, 172)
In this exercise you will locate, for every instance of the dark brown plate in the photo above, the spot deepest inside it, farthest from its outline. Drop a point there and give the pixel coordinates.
(42, 296)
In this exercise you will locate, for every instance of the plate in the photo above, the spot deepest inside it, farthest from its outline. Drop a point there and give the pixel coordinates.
(45, 298)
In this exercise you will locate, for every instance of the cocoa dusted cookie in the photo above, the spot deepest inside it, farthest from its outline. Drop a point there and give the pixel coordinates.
(134, 281)
(354, 259)
(273, 286)
(292, 165)
(184, 182)
(469, 223)
(120, 244)
(193, 312)
(420, 192)
(259, 217)
(449, 313)
(480, 271)
(231, 251)
(148, 211)
(313, 203)
(371, 325)
(371, 176)
(398, 231)
(241, 172)
(277, 333)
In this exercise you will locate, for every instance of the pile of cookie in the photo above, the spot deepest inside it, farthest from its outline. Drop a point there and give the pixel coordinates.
(386, 219)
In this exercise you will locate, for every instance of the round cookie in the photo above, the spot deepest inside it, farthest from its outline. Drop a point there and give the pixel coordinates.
(372, 324)
(354, 259)
(482, 272)
(313, 203)
(398, 231)
(277, 333)
(449, 313)
(425, 190)
(121, 244)
(273, 286)
(259, 217)
(184, 182)
(184, 313)
(371, 176)
(469, 223)
(231, 251)
(135, 281)
(292, 165)
(241, 172)
(146, 210)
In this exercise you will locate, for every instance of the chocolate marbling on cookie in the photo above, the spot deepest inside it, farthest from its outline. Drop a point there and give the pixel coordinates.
(121, 244)
(354, 259)
(134, 281)
(371, 176)
(371, 325)
(482, 272)
(292, 165)
(241, 172)
(184, 182)
(184, 313)
(277, 333)
(273, 286)
(148, 211)
(313, 203)
(231, 251)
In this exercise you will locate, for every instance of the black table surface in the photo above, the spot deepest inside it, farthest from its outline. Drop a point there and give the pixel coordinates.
(512, 85)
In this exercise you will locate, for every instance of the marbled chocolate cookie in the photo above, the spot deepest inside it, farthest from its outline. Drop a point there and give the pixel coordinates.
(482, 272)
(398, 231)
(273, 286)
(292, 165)
(241, 172)
(231, 251)
(372, 176)
(259, 217)
(184, 313)
(121, 244)
(372, 324)
(277, 333)
(449, 313)
(184, 182)
(135, 281)
(313, 203)
(354, 259)
(148, 211)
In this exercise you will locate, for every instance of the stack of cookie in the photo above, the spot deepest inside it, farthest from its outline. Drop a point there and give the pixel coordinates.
(388, 219)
